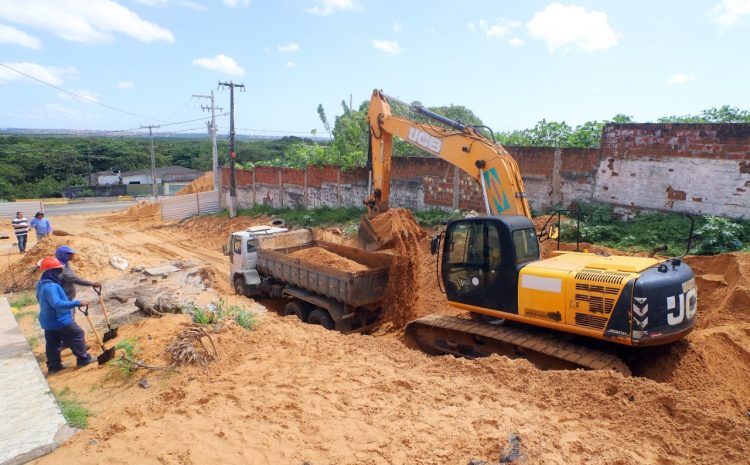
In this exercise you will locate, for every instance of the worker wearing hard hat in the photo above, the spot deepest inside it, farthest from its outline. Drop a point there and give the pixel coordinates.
(60, 330)
(69, 279)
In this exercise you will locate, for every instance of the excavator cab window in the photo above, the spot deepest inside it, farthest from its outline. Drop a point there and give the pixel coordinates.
(526, 244)
(464, 264)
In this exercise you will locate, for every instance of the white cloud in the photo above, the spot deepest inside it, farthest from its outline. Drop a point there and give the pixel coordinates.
(220, 63)
(182, 3)
(327, 7)
(89, 22)
(561, 26)
(152, 2)
(191, 5)
(290, 64)
(516, 42)
(50, 74)
(11, 35)
(83, 96)
(727, 13)
(397, 27)
(288, 48)
(389, 47)
(125, 85)
(500, 29)
(680, 78)
(236, 3)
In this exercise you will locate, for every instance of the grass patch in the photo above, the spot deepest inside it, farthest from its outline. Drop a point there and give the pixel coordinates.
(648, 230)
(120, 364)
(74, 412)
(436, 217)
(19, 315)
(218, 311)
(23, 300)
(33, 341)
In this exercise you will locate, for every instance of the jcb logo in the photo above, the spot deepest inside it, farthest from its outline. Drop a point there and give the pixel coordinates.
(683, 306)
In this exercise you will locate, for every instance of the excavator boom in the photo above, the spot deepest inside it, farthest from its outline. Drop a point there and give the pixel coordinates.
(495, 171)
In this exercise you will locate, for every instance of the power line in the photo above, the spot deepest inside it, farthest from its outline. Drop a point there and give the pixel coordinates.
(82, 97)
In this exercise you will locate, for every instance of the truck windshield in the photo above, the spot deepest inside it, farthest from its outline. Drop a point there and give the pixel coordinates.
(527, 247)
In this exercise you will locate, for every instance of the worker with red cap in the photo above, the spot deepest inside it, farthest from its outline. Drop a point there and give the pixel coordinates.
(56, 319)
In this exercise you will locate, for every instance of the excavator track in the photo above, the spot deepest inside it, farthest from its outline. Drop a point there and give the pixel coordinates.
(440, 334)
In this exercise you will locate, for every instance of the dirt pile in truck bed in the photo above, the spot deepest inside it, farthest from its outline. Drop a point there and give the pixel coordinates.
(321, 256)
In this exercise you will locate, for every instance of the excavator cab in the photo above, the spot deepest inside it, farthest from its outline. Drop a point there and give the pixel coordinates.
(482, 258)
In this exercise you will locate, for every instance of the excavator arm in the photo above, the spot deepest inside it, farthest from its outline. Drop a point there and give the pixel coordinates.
(461, 145)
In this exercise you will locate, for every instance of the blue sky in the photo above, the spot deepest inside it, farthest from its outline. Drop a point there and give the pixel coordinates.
(512, 63)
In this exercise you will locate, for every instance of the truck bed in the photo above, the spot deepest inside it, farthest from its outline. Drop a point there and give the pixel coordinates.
(359, 289)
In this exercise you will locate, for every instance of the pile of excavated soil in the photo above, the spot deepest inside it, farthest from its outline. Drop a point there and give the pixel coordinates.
(92, 261)
(204, 183)
(723, 288)
(143, 212)
(321, 256)
(401, 299)
(314, 396)
(213, 232)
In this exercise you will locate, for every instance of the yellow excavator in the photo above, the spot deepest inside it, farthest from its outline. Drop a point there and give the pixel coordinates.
(559, 308)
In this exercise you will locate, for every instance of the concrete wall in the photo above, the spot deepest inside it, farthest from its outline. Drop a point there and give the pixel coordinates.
(691, 168)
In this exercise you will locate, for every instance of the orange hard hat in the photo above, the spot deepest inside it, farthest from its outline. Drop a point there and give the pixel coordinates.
(49, 263)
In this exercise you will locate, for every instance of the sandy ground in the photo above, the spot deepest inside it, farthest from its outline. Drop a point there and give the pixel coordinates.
(294, 393)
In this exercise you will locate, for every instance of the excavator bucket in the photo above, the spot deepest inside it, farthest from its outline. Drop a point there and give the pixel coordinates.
(375, 232)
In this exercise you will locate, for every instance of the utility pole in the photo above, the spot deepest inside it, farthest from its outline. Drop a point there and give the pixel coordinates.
(154, 191)
(212, 131)
(232, 154)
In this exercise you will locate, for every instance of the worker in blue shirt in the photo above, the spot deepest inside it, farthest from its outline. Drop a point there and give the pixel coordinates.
(55, 318)
(41, 226)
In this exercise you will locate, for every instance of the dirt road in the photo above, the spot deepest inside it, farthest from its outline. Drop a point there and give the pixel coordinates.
(294, 393)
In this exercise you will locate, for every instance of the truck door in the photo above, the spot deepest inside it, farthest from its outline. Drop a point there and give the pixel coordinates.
(502, 274)
(235, 249)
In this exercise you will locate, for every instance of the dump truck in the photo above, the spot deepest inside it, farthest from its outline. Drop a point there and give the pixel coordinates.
(263, 265)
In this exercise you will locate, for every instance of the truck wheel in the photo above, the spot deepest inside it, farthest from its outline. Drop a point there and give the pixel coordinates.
(322, 318)
(239, 286)
(297, 309)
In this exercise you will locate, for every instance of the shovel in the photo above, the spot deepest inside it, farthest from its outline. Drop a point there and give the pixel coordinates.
(107, 354)
(111, 332)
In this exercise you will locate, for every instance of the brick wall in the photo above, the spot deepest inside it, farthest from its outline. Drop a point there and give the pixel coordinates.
(693, 168)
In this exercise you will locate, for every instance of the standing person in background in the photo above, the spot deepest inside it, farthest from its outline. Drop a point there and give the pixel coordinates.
(60, 330)
(41, 226)
(21, 225)
(69, 278)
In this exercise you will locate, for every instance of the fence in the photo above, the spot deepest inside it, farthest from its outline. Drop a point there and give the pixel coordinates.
(183, 206)
(9, 209)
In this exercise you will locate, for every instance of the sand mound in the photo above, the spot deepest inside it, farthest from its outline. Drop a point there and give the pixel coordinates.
(92, 261)
(212, 232)
(204, 183)
(401, 299)
(142, 212)
(723, 288)
(321, 256)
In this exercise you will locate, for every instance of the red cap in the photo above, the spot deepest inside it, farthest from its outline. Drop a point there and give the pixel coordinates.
(49, 263)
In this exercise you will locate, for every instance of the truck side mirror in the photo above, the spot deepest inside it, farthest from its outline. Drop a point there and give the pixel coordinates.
(225, 249)
(435, 244)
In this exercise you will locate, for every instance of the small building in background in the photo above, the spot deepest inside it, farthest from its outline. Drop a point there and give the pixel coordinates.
(104, 178)
(169, 179)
